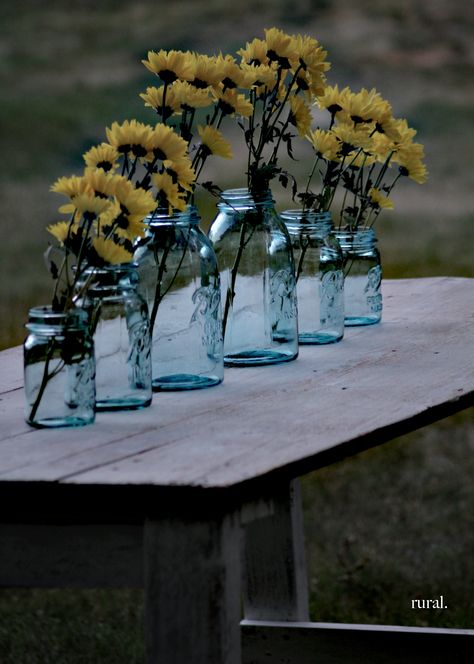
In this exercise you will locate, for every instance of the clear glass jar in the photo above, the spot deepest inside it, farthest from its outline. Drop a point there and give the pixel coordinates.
(319, 276)
(179, 280)
(119, 321)
(253, 249)
(59, 369)
(362, 276)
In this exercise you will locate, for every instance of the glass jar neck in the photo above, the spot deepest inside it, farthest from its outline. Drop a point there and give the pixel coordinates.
(300, 222)
(43, 320)
(161, 218)
(361, 239)
(243, 199)
(110, 279)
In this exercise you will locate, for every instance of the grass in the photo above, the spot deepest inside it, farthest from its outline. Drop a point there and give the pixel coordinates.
(385, 527)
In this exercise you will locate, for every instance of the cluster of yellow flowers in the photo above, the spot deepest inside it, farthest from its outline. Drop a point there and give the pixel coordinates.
(359, 150)
(272, 90)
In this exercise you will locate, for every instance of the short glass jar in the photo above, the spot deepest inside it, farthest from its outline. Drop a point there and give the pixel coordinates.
(59, 369)
(258, 285)
(120, 325)
(179, 280)
(362, 276)
(319, 276)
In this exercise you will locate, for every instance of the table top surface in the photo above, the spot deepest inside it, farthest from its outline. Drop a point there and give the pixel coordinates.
(414, 368)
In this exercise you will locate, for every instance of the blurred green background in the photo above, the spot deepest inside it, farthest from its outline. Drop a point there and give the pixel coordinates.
(390, 525)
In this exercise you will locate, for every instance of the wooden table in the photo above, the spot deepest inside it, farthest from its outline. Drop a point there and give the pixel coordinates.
(184, 496)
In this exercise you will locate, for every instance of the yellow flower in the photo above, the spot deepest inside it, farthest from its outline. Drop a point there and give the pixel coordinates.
(171, 65)
(411, 164)
(70, 186)
(191, 97)
(232, 75)
(352, 137)
(366, 106)
(381, 146)
(310, 55)
(231, 102)
(165, 144)
(130, 136)
(86, 205)
(168, 193)
(263, 76)
(281, 48)
(182, 173)
(300, 115)
(332, 99)
(379, 200)
(135, 204)
(214, 143)
(207, 71)
(111, 252)
(101, 183)
(103, 156)
(325, 144)
(61, 230)
(255, 52)
(153, 97)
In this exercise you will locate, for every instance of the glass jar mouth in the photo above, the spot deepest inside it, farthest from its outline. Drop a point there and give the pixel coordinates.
(298, 221)
(360, 238)
(160, 218)
(45, 317)
(242, 199)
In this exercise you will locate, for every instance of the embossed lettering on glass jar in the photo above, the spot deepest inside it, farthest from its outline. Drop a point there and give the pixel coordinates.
(119, 321)
(362, 277)
(180, 281)
(59, 369)
(319, 276)
(253, 249)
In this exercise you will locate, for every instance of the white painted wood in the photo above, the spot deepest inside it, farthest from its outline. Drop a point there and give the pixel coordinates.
(329, 643)
(192, 591)
(380, 381)
(84, 556)
(275, 579)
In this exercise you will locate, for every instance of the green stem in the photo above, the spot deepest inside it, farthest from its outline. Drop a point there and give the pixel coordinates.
(231, 290)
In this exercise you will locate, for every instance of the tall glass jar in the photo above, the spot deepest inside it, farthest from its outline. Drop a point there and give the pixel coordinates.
(179, 280)
(319, 276)
(253, 249)
(119, 321)
(362, 276)
(59, 369)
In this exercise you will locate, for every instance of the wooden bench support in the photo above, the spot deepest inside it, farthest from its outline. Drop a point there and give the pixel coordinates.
(329, 643)
(275, 581)
(192, 591)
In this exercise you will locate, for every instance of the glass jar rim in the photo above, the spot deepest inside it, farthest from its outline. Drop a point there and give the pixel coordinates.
(160, 218)
(74, 318)
(243, 197)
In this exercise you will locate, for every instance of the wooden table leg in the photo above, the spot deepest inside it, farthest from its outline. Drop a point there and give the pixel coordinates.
(275, 580)
(192, 590)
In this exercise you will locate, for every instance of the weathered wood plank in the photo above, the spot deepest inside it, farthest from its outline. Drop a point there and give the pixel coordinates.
(328, 643)
(275, 579)
(192, 591)
(378, 383)
(84, 556)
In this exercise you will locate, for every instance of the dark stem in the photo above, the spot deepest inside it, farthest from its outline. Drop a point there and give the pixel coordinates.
(231, 290)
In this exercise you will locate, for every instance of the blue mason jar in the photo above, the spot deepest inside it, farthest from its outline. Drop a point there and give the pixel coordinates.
(253, 249)
(179, 280)
(319, 276)
(59, 369)
(362, 276)
(120, 325)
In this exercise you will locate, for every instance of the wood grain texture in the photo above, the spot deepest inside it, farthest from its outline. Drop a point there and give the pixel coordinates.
(275, 581)
(192, 591)
(328, 643)
(414, 368)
